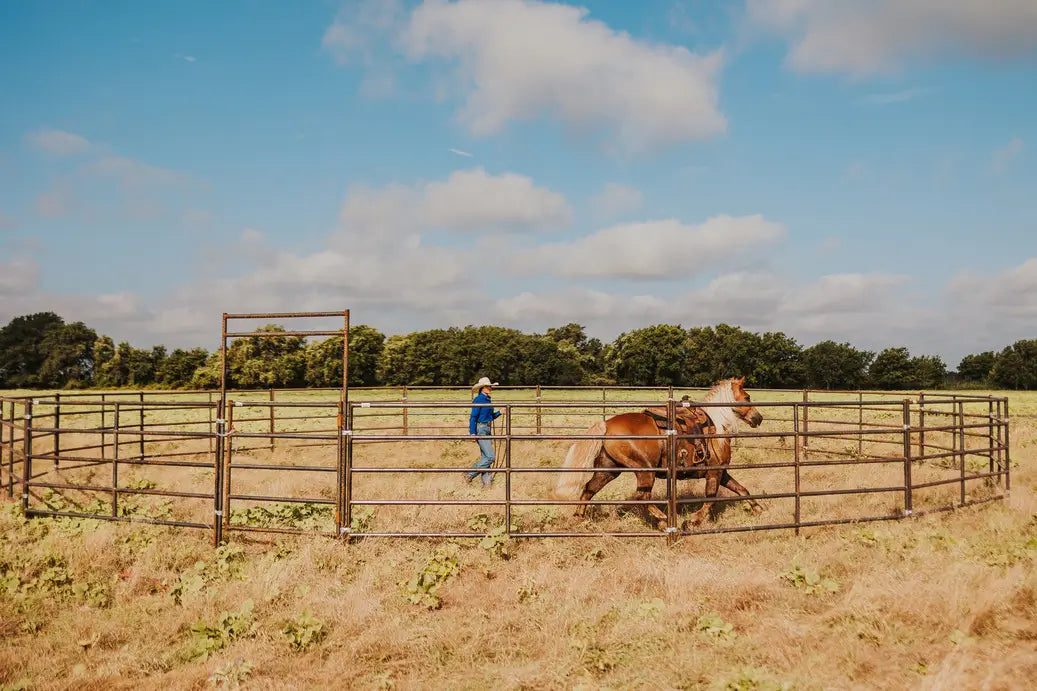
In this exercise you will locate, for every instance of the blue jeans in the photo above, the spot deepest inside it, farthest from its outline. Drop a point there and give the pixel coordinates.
(487, 458)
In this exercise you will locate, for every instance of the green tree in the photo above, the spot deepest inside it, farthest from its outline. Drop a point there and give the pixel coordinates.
(257, 362)
(928, 371)
(831, 365)
(545, 361)
(261, 362)
(178, 368)
(779, 362)
(392, 363)
(324, 358)
(68, 356)
(21, 348)
(207, 375)
(977, 368)
(1016, 366)
(587, 352)
(723, 351)
(653, 356)
(892, 369)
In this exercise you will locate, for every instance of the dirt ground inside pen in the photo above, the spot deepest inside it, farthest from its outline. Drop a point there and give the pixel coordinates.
(946, 600)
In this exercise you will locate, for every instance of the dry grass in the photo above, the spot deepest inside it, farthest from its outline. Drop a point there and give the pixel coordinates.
(942, 601)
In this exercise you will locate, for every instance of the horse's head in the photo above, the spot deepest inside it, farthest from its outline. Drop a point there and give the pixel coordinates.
(748, 413)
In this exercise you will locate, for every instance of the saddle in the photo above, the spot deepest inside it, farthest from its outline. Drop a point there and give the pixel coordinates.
(689, 420)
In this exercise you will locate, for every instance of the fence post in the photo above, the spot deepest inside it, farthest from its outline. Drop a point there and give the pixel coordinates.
(1001, 437)
(403, 400)
(795, 460)
(908, 510)
(9, 447)
(603, 404)
(1008, 450)
(347, 485)
(671, 471)
(539, 393)
(507, 468)
(212, 427)
(228, 459)
(57, 428)
(339, 454)
(806, 424)
(860, 424)
(921, 424)
(141, 398)
(115, 462)
(271, 419)
(104, 420)
(10, 454)
(217, 469)
(990, 434)
(962, 445)
(27, 462)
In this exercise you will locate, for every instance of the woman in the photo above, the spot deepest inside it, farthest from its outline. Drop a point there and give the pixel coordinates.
(480, 423)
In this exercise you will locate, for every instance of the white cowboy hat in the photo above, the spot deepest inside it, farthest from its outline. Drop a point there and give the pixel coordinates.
(485, 381)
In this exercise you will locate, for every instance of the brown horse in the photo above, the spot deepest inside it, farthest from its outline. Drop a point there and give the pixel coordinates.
(649, 453)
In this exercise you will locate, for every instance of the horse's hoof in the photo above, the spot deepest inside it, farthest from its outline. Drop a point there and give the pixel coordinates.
(757, 509)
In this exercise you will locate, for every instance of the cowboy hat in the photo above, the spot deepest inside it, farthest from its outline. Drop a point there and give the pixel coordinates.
(485, 381)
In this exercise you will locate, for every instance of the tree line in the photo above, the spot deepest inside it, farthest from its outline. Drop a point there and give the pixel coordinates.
(43, 351)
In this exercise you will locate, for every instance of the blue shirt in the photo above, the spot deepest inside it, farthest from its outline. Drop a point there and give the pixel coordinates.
(481, 414)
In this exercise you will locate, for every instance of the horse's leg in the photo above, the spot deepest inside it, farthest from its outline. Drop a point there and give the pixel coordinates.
(645, 482)
(712, 487)
(596, 483)
(735, 486)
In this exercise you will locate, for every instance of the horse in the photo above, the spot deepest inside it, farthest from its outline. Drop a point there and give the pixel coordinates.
(649, 453)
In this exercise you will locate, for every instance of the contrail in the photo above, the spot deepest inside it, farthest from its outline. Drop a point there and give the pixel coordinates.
(460, 153)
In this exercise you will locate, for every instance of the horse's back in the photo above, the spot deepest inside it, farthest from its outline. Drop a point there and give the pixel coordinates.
(643, 453)
(631, 423)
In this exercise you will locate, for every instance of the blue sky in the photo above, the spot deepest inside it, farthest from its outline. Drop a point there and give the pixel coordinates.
(856, 171)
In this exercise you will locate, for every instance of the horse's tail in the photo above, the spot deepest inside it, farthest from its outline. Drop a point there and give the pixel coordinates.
(582, 454)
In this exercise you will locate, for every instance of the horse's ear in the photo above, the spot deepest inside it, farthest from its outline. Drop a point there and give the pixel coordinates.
(740, 381)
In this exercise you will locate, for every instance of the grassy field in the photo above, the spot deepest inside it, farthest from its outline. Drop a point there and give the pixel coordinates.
(947, 600)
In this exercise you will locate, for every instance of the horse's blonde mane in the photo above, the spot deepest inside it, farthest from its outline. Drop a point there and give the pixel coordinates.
(723, 417)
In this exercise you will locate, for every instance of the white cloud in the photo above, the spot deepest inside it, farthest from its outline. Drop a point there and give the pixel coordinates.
(523, 59)
(468, 200)
(1004, 155)
(108, 186)
(19, 276)
(880, 35)
(475, 200)
(758, 301)
(458, 152)
(1009, 294)
(845, 293)
(122, 305)
(830, 307)
(59, 142)
(617, 200)
(652, 249)
(361, 27)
